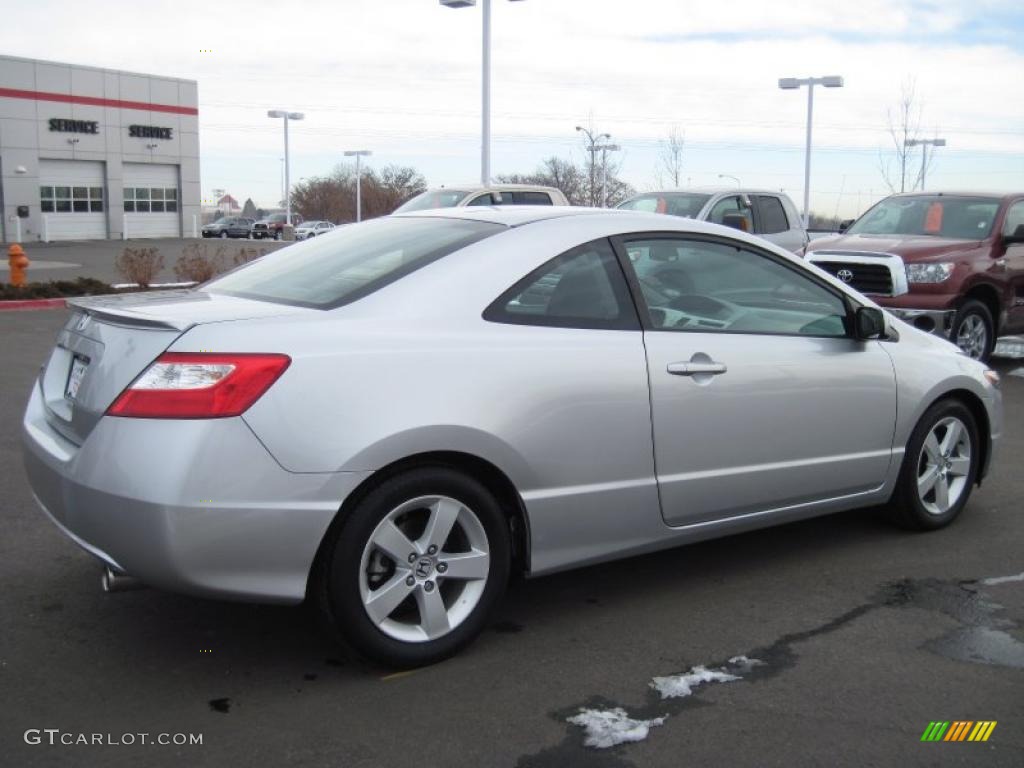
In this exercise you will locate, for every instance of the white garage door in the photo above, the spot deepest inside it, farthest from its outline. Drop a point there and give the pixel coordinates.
(151, 200)
(72, 199)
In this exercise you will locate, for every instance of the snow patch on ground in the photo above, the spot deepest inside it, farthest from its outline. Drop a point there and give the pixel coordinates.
(609, 727)
(678, 686)
(1002, 579)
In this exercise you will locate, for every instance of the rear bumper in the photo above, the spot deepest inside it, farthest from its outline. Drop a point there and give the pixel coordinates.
(190, 506)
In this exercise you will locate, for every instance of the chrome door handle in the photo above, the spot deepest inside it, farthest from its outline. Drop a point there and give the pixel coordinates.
(696, 369)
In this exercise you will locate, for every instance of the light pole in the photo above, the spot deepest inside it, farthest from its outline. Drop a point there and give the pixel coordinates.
(605, 149)
(485, 128)
(925, 143)
(287, 179)
(592, 147)
(730, 176)
(793, 83)
(358, 154)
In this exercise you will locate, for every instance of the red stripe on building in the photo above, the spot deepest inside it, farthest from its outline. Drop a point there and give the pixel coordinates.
(93, 101)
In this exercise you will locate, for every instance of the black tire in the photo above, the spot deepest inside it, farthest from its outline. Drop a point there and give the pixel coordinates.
(338, 598)
(973, 312)
(906, 508)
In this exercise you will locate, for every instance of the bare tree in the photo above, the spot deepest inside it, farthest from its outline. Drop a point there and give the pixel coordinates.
(670, 157)
(904, 128)
(333, 197)
(574, 181)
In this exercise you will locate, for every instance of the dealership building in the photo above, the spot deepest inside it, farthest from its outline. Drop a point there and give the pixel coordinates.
(89, 153)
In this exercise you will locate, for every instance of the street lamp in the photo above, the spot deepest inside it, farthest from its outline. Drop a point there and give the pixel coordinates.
(730, 176)
(793, 83)
(593, 147)
(287, 179)
(924, 143)
(358, 154)
(485, 128)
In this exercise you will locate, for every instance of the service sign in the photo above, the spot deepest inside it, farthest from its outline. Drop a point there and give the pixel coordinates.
(150, 132)
(73, 126)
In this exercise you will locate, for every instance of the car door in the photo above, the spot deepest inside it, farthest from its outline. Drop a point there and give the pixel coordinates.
(1013, 262)
(760, 400)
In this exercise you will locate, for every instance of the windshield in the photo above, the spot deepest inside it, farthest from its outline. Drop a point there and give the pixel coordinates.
(433, 198)
(350, 262)
(687, 204)
(961, 218)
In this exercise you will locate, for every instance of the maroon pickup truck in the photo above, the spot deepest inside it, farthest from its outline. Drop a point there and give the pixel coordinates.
(948, 263)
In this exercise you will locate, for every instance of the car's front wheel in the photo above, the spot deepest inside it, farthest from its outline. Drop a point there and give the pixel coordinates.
(939, 470)
(416, 567)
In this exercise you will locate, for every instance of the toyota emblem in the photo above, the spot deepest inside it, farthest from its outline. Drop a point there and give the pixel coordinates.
(846, 275)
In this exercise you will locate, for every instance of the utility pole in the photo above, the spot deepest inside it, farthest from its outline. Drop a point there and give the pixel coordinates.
(605, 149)
(593, 147)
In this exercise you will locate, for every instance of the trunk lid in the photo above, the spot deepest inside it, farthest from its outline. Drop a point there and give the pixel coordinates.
(109, 340)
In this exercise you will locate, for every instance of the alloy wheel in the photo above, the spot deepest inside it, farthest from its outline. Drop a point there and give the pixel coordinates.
(972, 336)
(944, 465)
(424, 568)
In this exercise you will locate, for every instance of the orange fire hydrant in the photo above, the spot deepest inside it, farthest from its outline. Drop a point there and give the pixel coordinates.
(18, 262)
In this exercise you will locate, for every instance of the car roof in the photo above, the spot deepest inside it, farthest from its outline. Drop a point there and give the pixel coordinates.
(508, 215)
(960, 193)
(711, 191)
(469, 188)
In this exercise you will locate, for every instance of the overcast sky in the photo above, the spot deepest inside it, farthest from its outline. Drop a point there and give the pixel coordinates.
(402, 78)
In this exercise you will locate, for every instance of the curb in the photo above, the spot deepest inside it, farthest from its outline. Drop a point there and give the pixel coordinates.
(26, 304)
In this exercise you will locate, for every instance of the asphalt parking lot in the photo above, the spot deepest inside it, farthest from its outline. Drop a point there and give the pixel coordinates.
(866, 634)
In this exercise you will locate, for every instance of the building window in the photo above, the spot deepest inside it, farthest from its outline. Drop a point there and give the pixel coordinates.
(150, 200)
(71, 199)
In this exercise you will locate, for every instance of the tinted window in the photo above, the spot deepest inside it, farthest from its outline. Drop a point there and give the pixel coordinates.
(733, 204)
(582, 288)
(487, 199)
(696, 285)
(526, 198)
(673, 203)
(771, 216)
(357, 260)
(963, 218)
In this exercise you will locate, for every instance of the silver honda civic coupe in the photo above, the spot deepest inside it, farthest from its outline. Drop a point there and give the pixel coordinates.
(390, 420)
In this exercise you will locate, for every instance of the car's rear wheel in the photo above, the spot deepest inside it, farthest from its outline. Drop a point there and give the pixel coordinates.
(416, 567)
(939, 470)
(974, 330)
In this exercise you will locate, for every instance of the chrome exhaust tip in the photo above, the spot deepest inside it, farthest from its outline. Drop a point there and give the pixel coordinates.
(114, 581)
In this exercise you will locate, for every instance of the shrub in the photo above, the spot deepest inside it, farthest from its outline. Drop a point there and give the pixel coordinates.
(55, 289)
(197, 265)
(245, 255)
(139, 265)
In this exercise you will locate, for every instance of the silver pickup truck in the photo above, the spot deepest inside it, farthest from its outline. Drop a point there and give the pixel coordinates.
(760, 212)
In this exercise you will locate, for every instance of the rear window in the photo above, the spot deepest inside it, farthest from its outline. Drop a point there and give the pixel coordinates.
(350, 262)
(433, 198)
(675, 204)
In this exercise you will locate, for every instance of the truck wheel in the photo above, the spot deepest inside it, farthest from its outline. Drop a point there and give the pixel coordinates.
(939, 469)
(277, 235)
(974, 331)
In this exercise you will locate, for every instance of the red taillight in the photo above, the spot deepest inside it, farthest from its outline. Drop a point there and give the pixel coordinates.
(186, 385)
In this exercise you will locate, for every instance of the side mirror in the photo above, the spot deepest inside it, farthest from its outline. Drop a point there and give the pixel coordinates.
(1016, 237)
(736, 221)
(869, 323)
(845, 225)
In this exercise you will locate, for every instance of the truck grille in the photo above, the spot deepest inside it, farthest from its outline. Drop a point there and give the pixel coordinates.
(866, 278)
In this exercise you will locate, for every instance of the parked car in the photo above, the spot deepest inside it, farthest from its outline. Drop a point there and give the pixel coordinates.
(494, 194)
(391, 420)
(228, 226)
(309, 229)
(272, 226)
(949, 263)
(767, 214)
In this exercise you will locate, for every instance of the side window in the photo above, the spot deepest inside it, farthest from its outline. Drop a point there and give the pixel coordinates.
(697, 285)
(732, 204)
(528, 198)
(771, 216)
(487, 199)
(582, 288)
(1014, 218)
